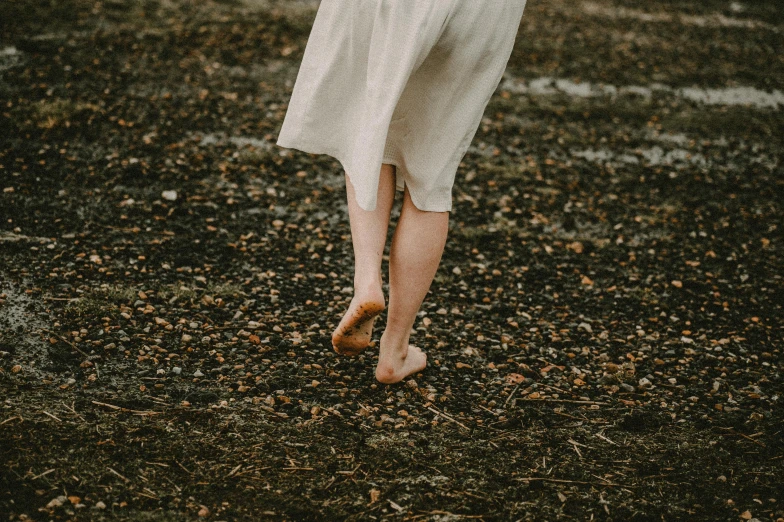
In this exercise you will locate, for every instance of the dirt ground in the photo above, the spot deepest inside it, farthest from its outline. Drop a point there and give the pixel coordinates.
(604, 334)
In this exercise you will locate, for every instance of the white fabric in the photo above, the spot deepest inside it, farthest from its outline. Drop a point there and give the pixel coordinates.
(403, 82)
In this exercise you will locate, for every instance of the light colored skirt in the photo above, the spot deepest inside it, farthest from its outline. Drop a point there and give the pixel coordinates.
(403, 82)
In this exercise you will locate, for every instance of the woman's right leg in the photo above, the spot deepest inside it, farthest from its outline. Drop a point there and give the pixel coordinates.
(414, 256)
(368, 236)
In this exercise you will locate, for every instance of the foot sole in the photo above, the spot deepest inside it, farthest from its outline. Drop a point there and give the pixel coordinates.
(346, 342)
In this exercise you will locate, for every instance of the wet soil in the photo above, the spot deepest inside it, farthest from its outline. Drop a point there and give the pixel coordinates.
(604, 334)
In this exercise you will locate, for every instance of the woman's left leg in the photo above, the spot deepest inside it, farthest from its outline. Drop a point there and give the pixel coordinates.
(414, 256)
(368, 236)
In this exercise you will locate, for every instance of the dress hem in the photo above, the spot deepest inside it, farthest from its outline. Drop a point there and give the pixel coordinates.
(400, 170)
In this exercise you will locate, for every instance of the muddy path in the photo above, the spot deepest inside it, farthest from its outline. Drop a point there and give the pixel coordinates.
(604, 334)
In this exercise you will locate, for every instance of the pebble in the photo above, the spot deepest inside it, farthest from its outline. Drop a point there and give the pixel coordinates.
(100, 505)
(177, 370)
(57, 502)
(626, 387)
(198, 373)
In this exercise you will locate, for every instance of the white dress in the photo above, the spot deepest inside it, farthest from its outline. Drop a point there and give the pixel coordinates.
(403, 82)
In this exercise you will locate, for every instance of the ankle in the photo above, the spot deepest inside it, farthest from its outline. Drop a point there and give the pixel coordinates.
(369, 290)
(394, 345)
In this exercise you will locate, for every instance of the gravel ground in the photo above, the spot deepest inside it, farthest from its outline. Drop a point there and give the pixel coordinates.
(604, 334)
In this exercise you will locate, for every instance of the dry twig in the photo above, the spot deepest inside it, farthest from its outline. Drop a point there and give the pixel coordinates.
(448, 417)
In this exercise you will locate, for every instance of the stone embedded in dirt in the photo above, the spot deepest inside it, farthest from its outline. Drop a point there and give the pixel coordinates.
(198, 373)
(57, 502)
(177, 370)
(169, 195)
(644, 382)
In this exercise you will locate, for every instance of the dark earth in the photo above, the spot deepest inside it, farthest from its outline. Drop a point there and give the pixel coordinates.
(604, 335)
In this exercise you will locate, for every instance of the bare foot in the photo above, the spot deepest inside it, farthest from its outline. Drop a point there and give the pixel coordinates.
(394, 367)
(354, 332)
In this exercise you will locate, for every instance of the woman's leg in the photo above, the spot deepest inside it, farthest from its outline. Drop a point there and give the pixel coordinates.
(414, 257)
(369, 236)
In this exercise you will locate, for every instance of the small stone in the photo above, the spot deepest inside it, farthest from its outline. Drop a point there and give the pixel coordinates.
(626, 387)
(100, 505)
(177, 370)
(186, 338)
(585, 326)
(169, 195)
(198, 373)
(57, 502)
